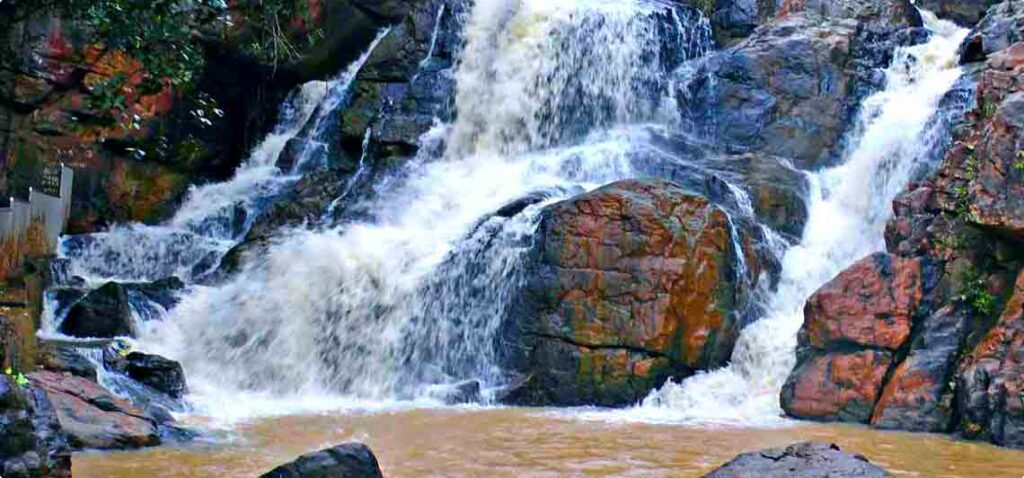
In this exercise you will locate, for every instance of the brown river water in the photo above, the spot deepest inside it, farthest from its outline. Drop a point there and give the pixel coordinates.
(513, 442)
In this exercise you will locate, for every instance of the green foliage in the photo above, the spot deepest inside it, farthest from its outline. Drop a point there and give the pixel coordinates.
(975, 293)
(1019, 164)
(988, 109)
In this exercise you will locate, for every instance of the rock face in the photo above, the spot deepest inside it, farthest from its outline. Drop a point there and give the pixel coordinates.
(853, 326)
(92, 417)
(990, 381)
(966, 13)
(801, 460)
(157, 372)
(103, 313)
(793, 86)
(1002, 26)
(926, 337)
(31, 441)
(635, 283)
(351, 460)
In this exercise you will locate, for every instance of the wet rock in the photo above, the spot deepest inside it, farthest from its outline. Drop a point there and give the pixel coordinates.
(990, 381)
(351, 460)
(103, 313)
(918, 396)
(635, 283)
(964, 12)
(852, 328)
(465, 392)
(801, 460)
(1002, 26)
(157, 372)
(793, 86)
(31, 442)
(92, 417)
(735, 19)
(163, 292)
(996, 201)
(64, 358)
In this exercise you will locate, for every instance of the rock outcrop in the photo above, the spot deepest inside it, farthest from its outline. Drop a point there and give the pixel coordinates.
(635, 283)
(157, 372)
(351, 460)
(801, 460)
(92, 417)
(930, 342)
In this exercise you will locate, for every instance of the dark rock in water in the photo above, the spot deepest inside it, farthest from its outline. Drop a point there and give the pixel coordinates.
(351, 460)
(92, 417)
(634, 283)
(64, 358)
(157, 372)
(31, 441)
(801, 460)
(103, 313)
(465, 392)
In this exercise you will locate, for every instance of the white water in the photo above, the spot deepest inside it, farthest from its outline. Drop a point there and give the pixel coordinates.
(849, 206)
(549, 94)
(214, 217)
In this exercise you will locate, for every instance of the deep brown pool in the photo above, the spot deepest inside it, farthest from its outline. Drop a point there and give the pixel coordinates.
(532, 443)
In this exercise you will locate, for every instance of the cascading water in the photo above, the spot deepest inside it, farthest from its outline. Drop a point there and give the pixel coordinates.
(849, 206)
(214, 217)
(551, 96)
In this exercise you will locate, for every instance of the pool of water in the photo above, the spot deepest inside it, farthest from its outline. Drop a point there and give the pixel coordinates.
(513, 442)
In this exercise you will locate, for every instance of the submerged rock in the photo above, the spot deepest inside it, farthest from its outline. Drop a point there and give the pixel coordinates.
(636, 282)
(103, 313)
(801, 460)
(351, 460)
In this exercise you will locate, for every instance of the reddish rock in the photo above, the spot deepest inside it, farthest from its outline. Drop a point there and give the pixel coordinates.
(637, 281)
(918, 395)
(990, 382)
(868, 305)
(92, 417)
(836, 386)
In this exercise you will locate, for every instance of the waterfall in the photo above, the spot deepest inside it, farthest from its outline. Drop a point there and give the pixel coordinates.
(553, 98)
(215, 217)
(895, 138)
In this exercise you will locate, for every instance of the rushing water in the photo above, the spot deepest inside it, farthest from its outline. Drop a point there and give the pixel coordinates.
(552, 99)
(895, 137)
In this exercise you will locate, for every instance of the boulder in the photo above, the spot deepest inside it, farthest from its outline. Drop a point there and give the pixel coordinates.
(31, 441)
(103, 313)
(735, 19)
(853, 326)
(634, 283)
(94, 418)
(801, 460)
(351, 460)
(157, 372)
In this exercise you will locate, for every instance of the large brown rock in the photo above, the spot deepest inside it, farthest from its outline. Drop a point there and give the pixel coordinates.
(92, 417)
(637, 282)
(852, 329)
